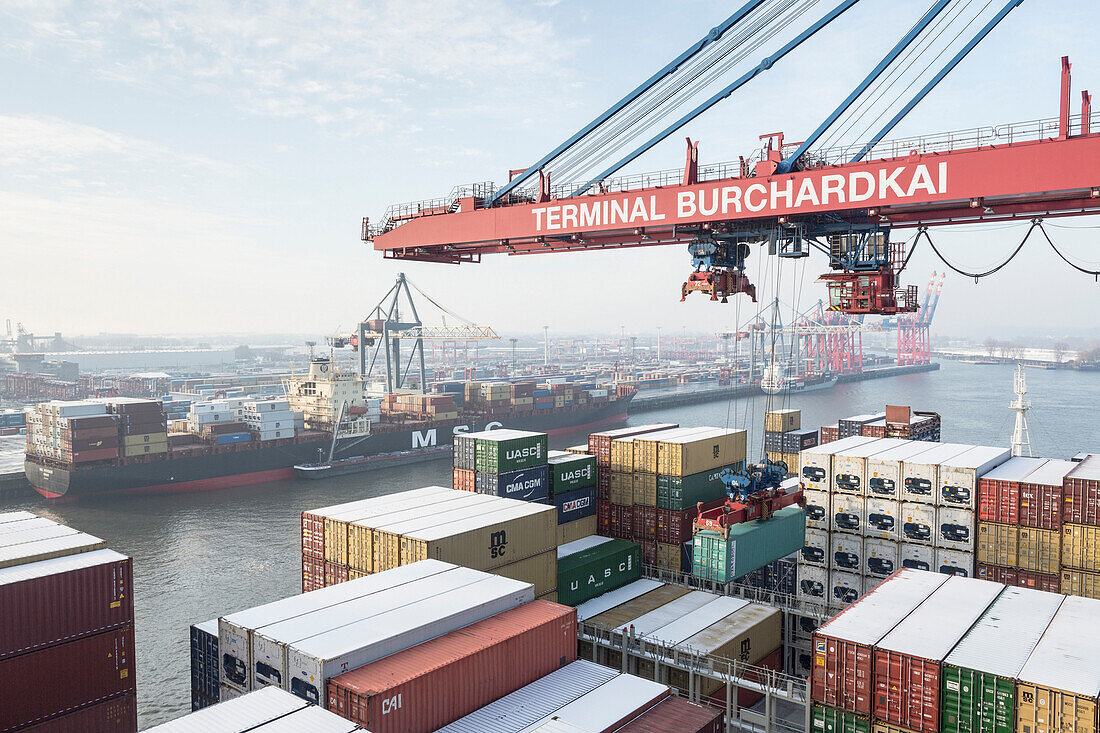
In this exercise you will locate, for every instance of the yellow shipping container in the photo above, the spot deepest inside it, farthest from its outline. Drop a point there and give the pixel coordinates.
(355, 574)
(144, 439)
(1047, 710)
(539, 570)
(622, 455)
(998, 544)
(698, 453)
(1039, 550)
(645, 489)
(749, 634)
(620, 488)
(1081, 547)
(489, 540)
(579, 529)
(791, 459)
(1081, 583)
(782, 421)
(360, 548)
(669, 557)
(145, 449)
(879, 727)
(523, 401)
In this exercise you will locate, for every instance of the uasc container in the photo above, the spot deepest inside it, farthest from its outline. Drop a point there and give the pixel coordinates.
(596, 569)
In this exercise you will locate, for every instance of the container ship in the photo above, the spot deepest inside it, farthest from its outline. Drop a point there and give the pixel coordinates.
(85, 448)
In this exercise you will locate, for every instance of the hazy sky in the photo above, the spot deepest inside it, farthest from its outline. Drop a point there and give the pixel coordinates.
(204, 166)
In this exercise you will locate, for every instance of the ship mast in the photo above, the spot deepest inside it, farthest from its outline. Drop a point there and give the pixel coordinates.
(1021, 440)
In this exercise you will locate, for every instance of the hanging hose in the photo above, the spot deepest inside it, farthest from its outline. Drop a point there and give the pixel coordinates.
(975, 275)
(1094, 273)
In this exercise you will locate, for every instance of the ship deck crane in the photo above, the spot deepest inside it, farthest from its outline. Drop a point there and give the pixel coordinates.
(844, 201)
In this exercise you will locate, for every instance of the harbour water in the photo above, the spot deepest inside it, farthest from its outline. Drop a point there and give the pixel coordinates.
(198, 556)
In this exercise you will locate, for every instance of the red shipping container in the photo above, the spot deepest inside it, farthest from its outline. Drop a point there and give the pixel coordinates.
(85, 444)
(89, 456)
(997, 574)
(313, 573)
(1082, 493)
(747, 698)
(675, 527)
(1041, 506)
(92, 422)
(622, 518)
(842, 674)
(463, 479)
(85, 594)
(313, 536)
(435, 683)
(60, 679)
(603, 517)
(907, 690)
(649, 552)
(998, 501)
(335, 573)
(1038, 581)
(649, 525)
(677, 714)
(118, 715)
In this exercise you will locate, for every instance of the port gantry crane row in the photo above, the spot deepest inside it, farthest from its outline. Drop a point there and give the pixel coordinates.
(794, 198)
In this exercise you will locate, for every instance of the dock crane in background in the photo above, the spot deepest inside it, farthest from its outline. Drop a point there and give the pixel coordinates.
(843, 200)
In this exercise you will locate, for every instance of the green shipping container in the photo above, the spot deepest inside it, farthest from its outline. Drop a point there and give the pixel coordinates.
(572, 472)
(684, 492)
(976, 702)
(586, 574)
(504, 451)
(830, 720)
(747, 546)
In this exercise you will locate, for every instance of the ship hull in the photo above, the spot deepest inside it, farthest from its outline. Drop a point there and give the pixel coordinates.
(273, 463)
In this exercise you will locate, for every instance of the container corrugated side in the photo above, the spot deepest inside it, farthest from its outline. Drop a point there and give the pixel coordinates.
(433, 684)
(240, 714)
(608, 707)
(825, 719)
(586, 574)
(117, 714)
(676, 714)
(204, 662)
(387, 531)
(495, 538)
(48, 549)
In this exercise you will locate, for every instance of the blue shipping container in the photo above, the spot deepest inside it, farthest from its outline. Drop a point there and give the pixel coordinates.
(574, 505)
(528, 484)
(230, 438)
(204, 662)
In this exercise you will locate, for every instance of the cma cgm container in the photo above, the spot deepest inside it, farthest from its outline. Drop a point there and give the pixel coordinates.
(958, 475)
(575, 505)
(527, 484)
(907, 660)
(313, 661)
(63, 599)
(979, 675)
(1059, 685)
(504, 451)
(432, 684)
(843, 647)
(748, 545)
(589, 567)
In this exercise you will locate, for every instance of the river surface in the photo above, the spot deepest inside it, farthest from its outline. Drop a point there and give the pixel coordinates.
(199, 556)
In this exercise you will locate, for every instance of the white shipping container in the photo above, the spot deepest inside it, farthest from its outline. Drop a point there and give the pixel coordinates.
(287, 432)
(816, 550)
(850, 464)
(883, 519)
(918, 523)
(847, 553)
(267, 406)
(77, 408)
(616, 597)
(246, 712)
(884, 475)
(611, 704)
(813, 584)
(953, 562)
(649, 622)
(845, 588)
(881, 558)
(958, 477)
(848, 514)
(818, 508)
(817, 462)
(917, 557)
(955, 529)
(921, 473)
(313, 661)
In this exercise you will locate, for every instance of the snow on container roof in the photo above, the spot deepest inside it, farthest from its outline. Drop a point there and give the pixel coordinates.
(939, 454)
(607, 705)
(877, 445)
(873, 615)
(584, 543)
(911, 449)
(976, 457)
(1065, 657)
(236, 715)
(1051, 473)
(829, 449)
(1015, 469)
(42, 568)
(1004, 637)
(616, 597)
(1088, 469)
(935, 626)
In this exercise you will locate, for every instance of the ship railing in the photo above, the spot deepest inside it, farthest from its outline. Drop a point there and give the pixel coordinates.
(784, 601)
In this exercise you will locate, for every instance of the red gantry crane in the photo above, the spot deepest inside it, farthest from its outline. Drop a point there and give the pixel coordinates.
(844, 201)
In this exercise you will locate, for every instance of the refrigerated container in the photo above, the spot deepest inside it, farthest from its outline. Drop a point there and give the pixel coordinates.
(849, 513)
(844, 587)
(881, 558)
(850, 465)
(920, 475)
(884, 470)
(883, 519)
(955, 529)
(817, 463)
(957, 486)
(816, 551)
(917, 557)
(813, 584)
(955, 562)
(846, 553)
(819, 507)
(918, 523)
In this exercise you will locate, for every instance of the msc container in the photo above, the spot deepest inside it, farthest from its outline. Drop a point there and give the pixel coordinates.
(850, 464)
(846, 553)
(955, 529)
(920, 474)
(818, 509)
(1059, 684)
(1039, 550)
(813, 584)
(825, 719)
(697, 453)
(58, 679)
(47, 549)
(816, 550)
(908, 659)
(578, 528)
(489, 541)
(884, 470)
(979, 675)
(883, 519)
(918, 523)
(517, 710)
(849, 513)
(1042, 495)
(313, 661)
(387, 529)
(749, 634)
(504, 451)
(748, 545)
(881, 558)
(958, 476)
(596, 569)
(844, 588)
(999, 489)
(66, 598)
(1082, 493)
(431, 685)
(539, 570)
(817, 462)
(1081, 547)
(843, 645)
(204, 663)
(572, 472)
(684, 492)
(528, 484)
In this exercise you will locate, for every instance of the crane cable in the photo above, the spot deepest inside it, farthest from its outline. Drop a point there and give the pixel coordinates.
(1094, 273)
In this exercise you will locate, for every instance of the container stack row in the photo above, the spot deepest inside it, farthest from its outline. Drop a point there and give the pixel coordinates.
(928, 653)
(599, 445)
(514, 539)
(507, 463)
(784, 437)
(91, 431)
(269, 419)
(875, 505)
(1039, 525)
(143, 429)
(67, 630)
(896, 422)
(554, 393)
(231, 421)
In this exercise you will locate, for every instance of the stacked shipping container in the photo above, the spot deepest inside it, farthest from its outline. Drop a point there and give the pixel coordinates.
(507, 463)
(599, 445)
(784, 437)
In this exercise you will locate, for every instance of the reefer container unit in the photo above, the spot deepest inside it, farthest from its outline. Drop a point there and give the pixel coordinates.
(517, 710)
(813, 584)
(527, 484)
(586, 573)
(884, 470)
(571, 472)
(850, 465)
(883, 519)
(817, 462)
(433, 684)
(59, 679)
(816, 550)
(1059, 684)
(844, 588)
(204, 664)
(1042, 495)
(1082, 493)
(955, 562)
(313, 661)
(880, 558)
(63, 599)
(908, 659)
(843, 646)
(918, 523)
(849, 513)
(819, 505)
(921, 474)
(955, 529)
(999, 489)
(958, 476)
(498, 537)
(979, 675)
(748, 545)
(846, 553)
(504, 451)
